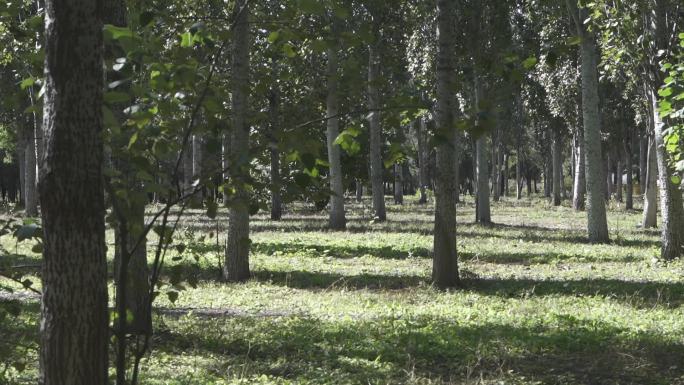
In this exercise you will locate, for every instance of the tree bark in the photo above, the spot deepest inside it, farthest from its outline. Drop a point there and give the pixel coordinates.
(483, 211)
(421, 128)
(376, 166)
(445, 261)
(579, 183)
(236, 267)
(30, 197)
(643, 161)
(629, 189)
(337, 219)
(597, 224)
(274, 152)
(74, 316)
(556, 155)
(672, 238)
(650, 214)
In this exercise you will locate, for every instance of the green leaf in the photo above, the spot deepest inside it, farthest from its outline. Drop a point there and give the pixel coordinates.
(273, 36)
(187, 39)
(288, 50)
(28, 82)
(117, 33)
(530, 62)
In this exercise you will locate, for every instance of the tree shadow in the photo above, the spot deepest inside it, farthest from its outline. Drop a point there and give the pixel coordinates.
(320, 280)
(339, 251)
(388, 349)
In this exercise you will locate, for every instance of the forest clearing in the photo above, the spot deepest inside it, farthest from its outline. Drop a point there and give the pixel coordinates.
(372, 192)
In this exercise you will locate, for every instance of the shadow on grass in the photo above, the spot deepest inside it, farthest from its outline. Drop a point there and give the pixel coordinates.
(337, 251)
(565, 350)
(319, 280)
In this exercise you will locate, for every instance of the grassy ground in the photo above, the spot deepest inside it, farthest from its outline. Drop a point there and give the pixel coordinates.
(538, 305)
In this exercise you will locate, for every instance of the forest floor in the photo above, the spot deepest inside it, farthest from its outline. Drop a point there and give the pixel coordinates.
(539, 305)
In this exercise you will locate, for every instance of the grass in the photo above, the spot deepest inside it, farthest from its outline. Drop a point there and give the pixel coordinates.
(538, 305)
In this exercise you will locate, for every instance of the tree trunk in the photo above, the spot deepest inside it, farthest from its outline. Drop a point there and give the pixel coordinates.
(21, 161)
(618, 184)
(609, 178)
(643, 162)
(236, 267)
(597, 224)
(672, 237)
(556, 155)
(337, 219)
(445, 261)
(359, 190)
(483, 211)
(650, 214)
(74, 316)
(496, 168)
(579, 183)
(518, 175)
(421, 128)
(629, 190)
(197, 144)
(274, 152)
(30, 197)
(376, 166)
(187, 169)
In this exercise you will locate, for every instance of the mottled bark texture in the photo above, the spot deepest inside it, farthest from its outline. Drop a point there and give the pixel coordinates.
(445, 261)
(336, 219)
(74, 317)
(597, 224)
(236, 267)
(376, 141)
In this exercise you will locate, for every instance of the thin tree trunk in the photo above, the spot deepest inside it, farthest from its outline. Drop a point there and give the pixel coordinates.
(359, 190)
(30, 182)
(421, 129)
(274, 152)
(618, 185)
(597, 224)
(629, 189)
(579, 188)
(518, 175)
(643, 162)
(197, 144)
(556, 155)
(482, 152)
(74, 317)
(377, 184)
(445, 261)
(236, 267)
(650, 214)
(496, 168)
(337, 219)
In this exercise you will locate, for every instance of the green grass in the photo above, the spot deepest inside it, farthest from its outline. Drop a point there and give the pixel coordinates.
(538, 305)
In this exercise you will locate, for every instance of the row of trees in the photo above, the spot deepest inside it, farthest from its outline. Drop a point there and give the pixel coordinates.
(255, 105)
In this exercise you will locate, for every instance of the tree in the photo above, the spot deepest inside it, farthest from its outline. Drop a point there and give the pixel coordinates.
(374, 121)
(445, 261)
(74, 318)
(236, 267)
(597, 224)
(337, 220)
